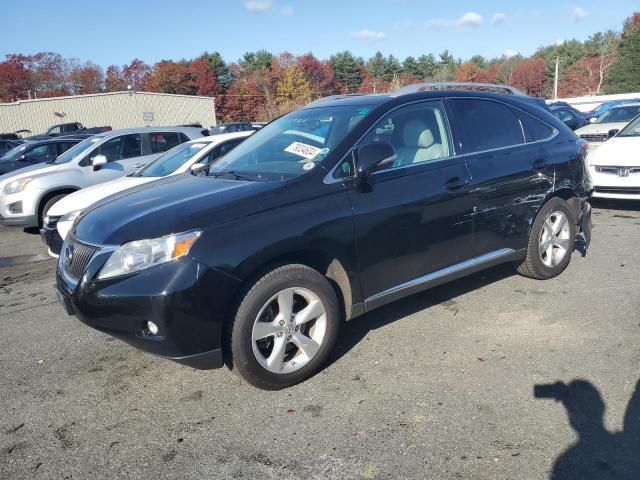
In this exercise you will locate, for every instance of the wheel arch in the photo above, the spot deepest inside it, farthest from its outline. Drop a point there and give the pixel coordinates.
(52, 193)
(323, 262)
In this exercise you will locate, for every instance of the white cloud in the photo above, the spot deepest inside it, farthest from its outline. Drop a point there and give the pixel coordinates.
(578, 14)
(510, 53)
(438, 23)
(498, 18)
(287, 11)
(470, 20)
(257, 5)
(369, 35)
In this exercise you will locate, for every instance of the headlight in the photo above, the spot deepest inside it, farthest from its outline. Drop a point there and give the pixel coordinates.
(16, 186)
(71, 216)
(140, 254)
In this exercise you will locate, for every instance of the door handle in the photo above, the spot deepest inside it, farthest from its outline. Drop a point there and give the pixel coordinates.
(456, 183)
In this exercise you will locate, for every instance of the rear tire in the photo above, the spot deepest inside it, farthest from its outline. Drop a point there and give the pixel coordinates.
(284, 328)
(551, 241)
(47, 206)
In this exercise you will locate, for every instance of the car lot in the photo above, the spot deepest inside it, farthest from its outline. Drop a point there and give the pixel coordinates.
(439, 385)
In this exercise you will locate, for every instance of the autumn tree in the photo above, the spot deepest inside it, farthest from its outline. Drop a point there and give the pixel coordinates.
(293, 89)
(582, 78)
(170, 77)
(204, 79)
(529, 76)
(318, 73)
(113, 81)
(135, 74)
(467, 72)
(14, 81)
(87, 78)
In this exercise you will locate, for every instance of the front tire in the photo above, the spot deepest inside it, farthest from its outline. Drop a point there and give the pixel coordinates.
(284, 329)
(47, 206)
(551, 241)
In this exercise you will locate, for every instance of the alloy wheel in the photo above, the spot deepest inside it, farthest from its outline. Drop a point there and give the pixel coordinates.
(554, 239)
(289, 330)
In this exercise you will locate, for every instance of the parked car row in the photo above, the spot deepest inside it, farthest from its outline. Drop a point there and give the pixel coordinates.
(199, 153)
(28, 193)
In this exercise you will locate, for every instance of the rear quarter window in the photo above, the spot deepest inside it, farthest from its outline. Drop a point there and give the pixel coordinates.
(534, 128)
(161, 142)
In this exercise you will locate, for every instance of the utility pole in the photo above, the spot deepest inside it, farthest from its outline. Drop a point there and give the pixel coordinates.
(555, 80)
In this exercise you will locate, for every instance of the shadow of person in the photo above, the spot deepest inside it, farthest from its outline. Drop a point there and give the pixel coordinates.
(598, 453)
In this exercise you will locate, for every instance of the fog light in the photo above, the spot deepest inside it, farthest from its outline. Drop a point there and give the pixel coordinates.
(153, 328)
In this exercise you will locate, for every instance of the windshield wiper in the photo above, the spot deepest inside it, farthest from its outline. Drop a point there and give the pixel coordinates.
(238, 175)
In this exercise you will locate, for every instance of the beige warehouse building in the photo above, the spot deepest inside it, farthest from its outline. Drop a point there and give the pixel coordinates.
(117, 109)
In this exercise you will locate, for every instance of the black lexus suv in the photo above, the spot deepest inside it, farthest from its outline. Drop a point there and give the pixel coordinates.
(322, 215)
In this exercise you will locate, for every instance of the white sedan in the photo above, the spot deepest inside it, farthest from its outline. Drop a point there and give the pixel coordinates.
(615, 166)
(178, 160)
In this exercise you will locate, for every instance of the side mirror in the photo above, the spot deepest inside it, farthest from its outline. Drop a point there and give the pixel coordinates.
(612, 132)
(198, 167)
(593, 119)
(373, 156)
(98, 161)
(22, 158)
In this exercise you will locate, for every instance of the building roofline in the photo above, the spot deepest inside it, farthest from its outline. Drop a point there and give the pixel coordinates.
(103, 94)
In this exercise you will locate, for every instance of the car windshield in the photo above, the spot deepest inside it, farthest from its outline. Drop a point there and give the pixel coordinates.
(619, 114)
(291, 145)
(171, 161)
(632, 129)
(14, 153)
(77, 150)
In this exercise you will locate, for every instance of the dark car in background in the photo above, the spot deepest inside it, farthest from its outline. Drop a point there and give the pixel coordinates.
(324, 214)
(72, 128)
(6, 145)
(605, 106)
(231, 128)
(32, 152)
(570, 116)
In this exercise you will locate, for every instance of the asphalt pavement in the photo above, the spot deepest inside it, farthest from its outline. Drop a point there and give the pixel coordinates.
(440, 385)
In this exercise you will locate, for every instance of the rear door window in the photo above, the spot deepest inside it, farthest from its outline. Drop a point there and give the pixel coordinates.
(534, 129)
(485, 124)
(161, 142)
(126, 146)
(63, 147)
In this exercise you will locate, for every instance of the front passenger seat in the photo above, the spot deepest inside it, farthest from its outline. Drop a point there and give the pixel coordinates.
(419, 143)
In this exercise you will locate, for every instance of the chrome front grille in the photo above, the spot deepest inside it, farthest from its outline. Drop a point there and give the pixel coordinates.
(75, 257)
(619, 171)
(50, 221)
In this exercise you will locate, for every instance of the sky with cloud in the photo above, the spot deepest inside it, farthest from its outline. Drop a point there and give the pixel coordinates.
(120, 30)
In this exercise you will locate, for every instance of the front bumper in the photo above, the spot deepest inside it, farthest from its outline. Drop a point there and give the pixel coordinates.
(19, 209)
(185, 299)
(611, 185)
(50, 236)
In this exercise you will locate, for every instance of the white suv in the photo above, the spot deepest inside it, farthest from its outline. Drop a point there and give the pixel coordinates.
(27, 194)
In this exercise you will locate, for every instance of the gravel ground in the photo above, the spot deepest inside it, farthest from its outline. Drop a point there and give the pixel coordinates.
(439, 385)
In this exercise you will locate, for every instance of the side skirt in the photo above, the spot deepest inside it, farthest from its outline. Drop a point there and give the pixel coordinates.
(439, 277)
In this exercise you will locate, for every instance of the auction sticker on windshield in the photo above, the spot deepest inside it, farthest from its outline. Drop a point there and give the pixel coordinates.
(303, 150)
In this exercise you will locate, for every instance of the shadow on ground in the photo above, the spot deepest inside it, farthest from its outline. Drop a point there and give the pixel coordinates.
(598, 453)
(355, 330)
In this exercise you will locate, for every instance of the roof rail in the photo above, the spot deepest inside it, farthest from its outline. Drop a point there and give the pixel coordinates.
(334, 97)
(420, 87)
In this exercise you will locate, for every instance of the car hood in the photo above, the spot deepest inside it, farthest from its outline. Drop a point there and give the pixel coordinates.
(87, 196)
(30, 171)
(170, 205)
(617, 151)
(600, 127)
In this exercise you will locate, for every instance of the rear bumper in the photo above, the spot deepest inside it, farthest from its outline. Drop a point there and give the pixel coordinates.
(186, 300)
